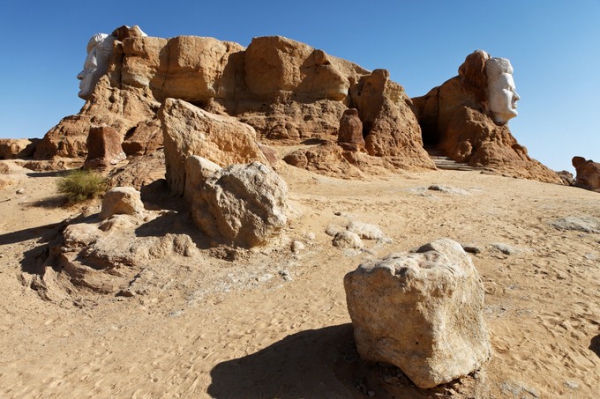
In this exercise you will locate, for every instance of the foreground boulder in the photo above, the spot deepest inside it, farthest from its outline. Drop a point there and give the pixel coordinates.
(588, 174)
(422, 312)
(244, 205)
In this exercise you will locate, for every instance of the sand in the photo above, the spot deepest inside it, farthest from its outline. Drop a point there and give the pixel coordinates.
(273, 323)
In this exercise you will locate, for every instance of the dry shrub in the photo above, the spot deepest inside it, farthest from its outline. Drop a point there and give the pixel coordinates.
(81, 185)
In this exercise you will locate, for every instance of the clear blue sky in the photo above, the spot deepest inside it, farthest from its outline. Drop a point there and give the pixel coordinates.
(553, 45)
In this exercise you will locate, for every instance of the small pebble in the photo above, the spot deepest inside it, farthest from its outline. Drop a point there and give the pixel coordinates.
(21, 191)
(297, 246)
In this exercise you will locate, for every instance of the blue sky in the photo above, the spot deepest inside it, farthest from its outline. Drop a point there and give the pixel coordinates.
(553, 45)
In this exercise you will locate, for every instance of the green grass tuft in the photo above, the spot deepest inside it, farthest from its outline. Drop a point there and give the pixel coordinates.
(81, 185)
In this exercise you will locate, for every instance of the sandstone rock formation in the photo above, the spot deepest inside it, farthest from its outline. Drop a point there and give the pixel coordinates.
(588, 174)
(243, 205)
(288, 91)
(121, 201)
(104, 148)
(458, 119)
(17, 148)
(291, 93)
(421, 311)
(189, 130)
(350, 135)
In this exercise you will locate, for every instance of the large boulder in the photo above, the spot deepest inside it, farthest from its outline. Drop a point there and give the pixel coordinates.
(104, 148)
(458, 119)
(421, 311)
(588, 174)
(189, 130)
(244, 205)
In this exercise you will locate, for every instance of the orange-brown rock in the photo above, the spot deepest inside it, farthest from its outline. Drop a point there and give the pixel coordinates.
(104, 148)
(189, 130)
(288, 91)
(17, 148)
(145, 138)
(390, 127)
(455, 118)
(350, 135)
(588, 174)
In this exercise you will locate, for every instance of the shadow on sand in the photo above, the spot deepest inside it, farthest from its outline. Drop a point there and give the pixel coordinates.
(316, 364)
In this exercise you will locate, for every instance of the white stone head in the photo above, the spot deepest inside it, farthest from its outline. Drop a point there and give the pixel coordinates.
(99, 51)
(502, 95)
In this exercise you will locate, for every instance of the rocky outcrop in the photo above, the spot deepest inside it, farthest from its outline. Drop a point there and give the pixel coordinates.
(243, 205)
(421, 311)
(456, 118)
(288, 91)
(121, 201)
(17, 148)
(189, 130)
(588, 174)
(350, 135)
(104, 148)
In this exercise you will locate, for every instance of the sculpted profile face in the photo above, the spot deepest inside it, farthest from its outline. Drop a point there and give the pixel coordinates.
(502, 95)
(99, 51)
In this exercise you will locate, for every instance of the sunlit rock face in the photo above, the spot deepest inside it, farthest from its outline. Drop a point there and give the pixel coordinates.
(288, 91)
(466, 118)
(502, 95)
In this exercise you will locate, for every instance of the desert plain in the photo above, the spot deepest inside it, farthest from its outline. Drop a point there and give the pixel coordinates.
(272, 321)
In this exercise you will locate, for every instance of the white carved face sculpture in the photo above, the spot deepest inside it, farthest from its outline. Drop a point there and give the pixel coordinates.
(502, 94)
(99, 51)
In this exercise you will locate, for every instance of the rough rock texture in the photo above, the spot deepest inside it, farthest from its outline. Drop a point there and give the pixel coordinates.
(288, 91)
(588, 174)
(104, 148)
(241, 204)
(456, 119)
(422, 312)
(197, 171)
(17, 148)
(140, 171)
(121, 201)
(145, 138)
(350, 135)
(189, 130)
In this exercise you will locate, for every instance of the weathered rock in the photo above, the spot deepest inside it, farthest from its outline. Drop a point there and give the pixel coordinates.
(244, 205)
(121, 201)
(141, 171)
(197, 171)
(17, 148)
(456, 118)
(347, 239)
(366, 230)
(288, 91)
(189, 130)
(145, 138)
(567, 177)
(588, 174)
(350, 135)
(104, 148)
(422, 312)
(391, 128)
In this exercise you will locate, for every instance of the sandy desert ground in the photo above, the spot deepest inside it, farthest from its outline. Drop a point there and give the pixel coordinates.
(273, 323)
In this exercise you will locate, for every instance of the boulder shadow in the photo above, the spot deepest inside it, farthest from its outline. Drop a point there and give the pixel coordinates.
(595, 345)
(302, 365)
(314, 364)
